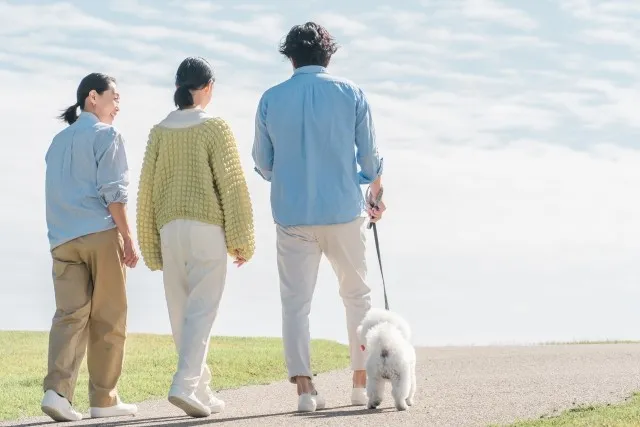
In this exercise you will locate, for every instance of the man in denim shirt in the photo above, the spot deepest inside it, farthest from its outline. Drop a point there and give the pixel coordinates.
(312, 132)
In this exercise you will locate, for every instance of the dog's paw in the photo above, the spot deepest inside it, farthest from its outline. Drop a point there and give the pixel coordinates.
(373, 404)
(401, 406)
(409, 401)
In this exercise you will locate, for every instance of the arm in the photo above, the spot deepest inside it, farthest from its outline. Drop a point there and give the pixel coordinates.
(118, 211)
(112, 182)
(367, 156)
(234, 193)
(375, 186)
(148, 235)
(262, 151)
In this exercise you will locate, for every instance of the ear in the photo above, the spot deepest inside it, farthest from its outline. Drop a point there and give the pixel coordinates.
(93, 95)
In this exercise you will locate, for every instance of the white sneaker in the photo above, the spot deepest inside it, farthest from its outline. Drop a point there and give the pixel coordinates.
(189, 403)
(209, 399)
(120, 409)
(359, 396)
(310, 402)
(59, 408)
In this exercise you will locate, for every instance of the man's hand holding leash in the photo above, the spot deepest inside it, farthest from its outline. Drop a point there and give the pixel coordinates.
(375, 205)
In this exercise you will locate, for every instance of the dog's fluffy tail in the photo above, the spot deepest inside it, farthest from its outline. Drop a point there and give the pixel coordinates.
(387, 336)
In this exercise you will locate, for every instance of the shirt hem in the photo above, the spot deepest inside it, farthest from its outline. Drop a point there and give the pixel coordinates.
(362, 214)
(58, 243)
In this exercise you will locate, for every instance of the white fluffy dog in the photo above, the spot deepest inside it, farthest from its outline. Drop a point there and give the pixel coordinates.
(385, 337)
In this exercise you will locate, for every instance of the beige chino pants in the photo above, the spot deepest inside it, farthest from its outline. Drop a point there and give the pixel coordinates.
(91, 316)
(299, 252)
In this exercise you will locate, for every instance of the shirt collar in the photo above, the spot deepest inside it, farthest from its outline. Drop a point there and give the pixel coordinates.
(85, 115)
(310, 69)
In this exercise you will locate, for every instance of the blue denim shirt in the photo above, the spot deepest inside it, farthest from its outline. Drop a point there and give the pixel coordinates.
(315, 142)
(86, 171)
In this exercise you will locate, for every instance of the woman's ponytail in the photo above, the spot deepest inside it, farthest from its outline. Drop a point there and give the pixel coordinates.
(70, 115)
(183, 97)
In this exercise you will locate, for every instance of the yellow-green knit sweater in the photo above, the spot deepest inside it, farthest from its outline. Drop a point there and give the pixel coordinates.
(193, 173)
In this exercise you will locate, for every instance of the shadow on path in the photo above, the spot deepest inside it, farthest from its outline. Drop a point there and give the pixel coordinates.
(185, 421)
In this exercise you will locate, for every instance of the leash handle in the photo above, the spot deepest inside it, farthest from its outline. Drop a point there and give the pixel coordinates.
(373, 203)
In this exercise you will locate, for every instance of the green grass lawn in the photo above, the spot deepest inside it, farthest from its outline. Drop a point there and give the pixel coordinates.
(150, 362)
(622, 415)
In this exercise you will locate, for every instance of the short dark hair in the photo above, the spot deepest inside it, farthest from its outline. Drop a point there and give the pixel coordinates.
(94, 81)
(193, 73)
(309, 44)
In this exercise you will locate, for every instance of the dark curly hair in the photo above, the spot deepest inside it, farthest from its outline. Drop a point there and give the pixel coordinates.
(308, 44)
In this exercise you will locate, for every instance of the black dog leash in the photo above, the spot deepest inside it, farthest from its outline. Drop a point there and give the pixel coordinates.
(374, 204)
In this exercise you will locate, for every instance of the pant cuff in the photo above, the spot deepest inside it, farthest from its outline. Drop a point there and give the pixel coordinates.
(292, 377)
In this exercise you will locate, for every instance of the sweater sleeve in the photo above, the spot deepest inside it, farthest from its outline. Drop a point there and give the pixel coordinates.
(233, 190)
(147, 230)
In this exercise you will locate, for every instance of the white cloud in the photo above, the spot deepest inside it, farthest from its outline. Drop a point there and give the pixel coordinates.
(612, 36)
(137, 8)
(602, 13)
(63, 16)
(196, 6)
(262, 26)
(622, 67)
(498, 12)
(386, 44)
(253, 7)
(335, 22)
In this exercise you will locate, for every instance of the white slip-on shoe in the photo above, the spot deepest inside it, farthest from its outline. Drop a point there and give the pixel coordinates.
(209, 399)
(306, 403)
(359, 396)
(320, 403)
(189, 403)
(310, 402)
(58, 408)
(120, 409)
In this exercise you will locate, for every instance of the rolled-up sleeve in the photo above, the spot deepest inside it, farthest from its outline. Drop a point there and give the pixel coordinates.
(262, 151)
(113, 169)
(368, 158)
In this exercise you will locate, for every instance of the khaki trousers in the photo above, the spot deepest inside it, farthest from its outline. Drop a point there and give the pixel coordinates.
(91, 316)
(299, 252)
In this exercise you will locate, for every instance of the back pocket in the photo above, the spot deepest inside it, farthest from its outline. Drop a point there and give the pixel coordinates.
(207, 242)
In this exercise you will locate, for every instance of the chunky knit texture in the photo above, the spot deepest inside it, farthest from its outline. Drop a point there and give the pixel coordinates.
(193, 173)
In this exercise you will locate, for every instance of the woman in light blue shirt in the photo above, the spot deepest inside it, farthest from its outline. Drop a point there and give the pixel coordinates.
(91, 246)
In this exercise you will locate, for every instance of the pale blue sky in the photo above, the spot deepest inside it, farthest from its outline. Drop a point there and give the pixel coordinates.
(510, 132)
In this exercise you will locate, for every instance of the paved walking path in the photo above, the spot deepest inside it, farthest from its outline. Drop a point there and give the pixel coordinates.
(472, 386)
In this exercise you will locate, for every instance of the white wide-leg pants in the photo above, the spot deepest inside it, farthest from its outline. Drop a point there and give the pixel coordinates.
(194, 257)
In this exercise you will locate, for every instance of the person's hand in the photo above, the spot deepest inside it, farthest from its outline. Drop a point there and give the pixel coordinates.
(375, 211)
(239, 261)
(130, 253)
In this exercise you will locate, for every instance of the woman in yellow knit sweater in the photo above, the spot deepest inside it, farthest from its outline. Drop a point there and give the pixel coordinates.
(193, 210)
